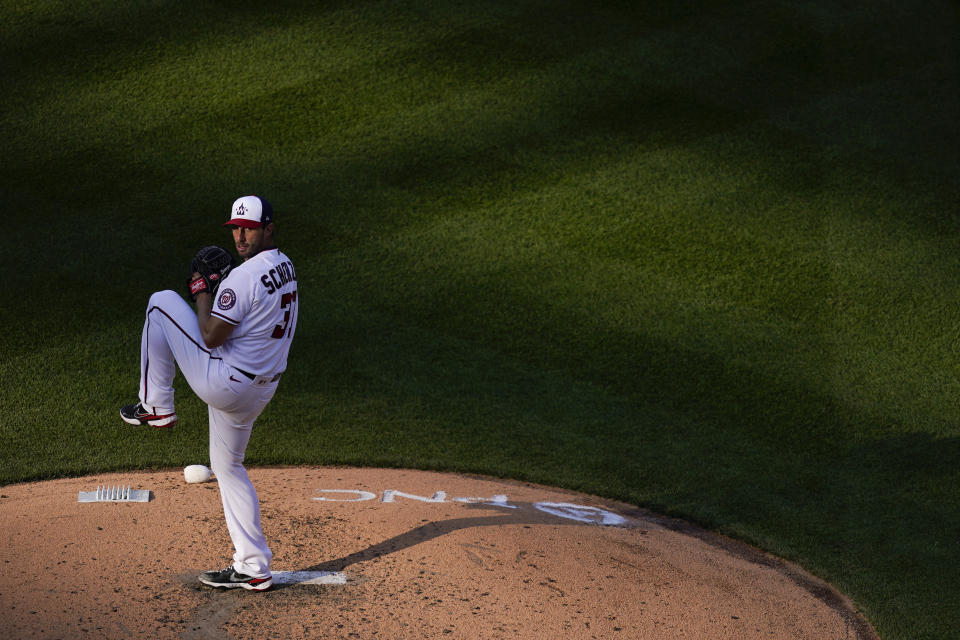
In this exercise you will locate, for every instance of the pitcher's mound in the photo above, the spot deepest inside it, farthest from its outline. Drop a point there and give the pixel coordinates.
(372, 553)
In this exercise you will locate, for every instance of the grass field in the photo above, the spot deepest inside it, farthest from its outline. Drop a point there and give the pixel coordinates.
(698, 256)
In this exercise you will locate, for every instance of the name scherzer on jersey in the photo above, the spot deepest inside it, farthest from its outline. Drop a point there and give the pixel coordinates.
(259, 298)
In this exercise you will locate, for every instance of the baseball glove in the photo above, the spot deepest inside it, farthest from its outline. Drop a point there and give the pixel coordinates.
(213, 264)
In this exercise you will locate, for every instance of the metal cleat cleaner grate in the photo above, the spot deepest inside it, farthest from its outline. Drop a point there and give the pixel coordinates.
(114, 494)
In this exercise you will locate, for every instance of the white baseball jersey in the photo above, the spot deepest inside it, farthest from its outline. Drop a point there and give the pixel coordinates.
(259, 298)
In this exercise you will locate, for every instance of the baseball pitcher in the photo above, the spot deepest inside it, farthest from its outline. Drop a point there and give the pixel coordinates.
(231, 351)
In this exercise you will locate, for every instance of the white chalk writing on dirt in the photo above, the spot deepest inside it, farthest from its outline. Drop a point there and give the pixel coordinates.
(566, 510)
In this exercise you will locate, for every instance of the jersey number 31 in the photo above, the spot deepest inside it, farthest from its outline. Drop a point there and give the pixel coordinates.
(287, 302)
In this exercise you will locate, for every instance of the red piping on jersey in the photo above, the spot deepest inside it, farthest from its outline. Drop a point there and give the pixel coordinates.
(228, 320)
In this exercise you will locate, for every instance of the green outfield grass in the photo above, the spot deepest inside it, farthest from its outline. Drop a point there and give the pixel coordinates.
(702, 257)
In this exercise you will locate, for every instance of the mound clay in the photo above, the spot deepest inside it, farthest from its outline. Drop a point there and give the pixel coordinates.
(371, 553)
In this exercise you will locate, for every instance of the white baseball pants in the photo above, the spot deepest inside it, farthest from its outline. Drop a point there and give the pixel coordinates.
(171, 337)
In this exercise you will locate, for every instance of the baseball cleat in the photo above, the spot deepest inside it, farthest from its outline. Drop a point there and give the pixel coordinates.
(136, 414)
(229, 578)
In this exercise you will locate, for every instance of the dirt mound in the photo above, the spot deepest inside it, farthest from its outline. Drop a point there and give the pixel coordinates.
(371, 553)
